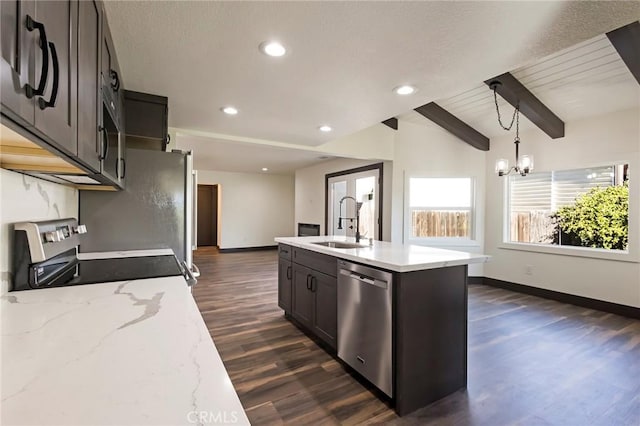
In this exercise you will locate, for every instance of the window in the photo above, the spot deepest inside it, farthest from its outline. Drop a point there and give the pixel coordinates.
(582, 207)
(440, 208)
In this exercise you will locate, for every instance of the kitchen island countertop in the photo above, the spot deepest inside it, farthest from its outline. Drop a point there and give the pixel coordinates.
(390, 256)
(125, 353)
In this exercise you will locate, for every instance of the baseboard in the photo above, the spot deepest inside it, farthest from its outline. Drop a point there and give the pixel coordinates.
(585, 302)
(241, 249)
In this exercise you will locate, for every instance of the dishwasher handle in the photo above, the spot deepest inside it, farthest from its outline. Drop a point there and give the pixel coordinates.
(364, 279)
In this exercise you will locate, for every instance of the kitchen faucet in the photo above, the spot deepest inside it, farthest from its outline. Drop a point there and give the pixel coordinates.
(358, 207)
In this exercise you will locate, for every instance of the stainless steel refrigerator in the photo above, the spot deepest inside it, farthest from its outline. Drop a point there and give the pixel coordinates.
(157, 208)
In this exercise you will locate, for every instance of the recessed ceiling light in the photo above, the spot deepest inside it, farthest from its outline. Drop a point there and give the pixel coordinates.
(325, 128)
(272, 48)
(404, 90)
(264, 169)
(229, 110)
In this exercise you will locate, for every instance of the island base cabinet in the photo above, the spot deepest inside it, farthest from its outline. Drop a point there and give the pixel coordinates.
(313, 298)
(325, 309)
(430, 336)
(303, 297)
(285, 275)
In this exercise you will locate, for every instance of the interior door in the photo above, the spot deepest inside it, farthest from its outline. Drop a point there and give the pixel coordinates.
(207, 215)
(365, 188)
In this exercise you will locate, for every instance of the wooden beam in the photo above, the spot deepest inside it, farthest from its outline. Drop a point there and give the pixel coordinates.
(626, 40)
(391, 122)
(453, 124)
(531, 107)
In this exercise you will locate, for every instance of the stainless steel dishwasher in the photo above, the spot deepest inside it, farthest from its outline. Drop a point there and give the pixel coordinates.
(364, 322)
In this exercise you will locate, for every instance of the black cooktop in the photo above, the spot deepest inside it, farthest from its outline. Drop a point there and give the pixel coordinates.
(119, 269)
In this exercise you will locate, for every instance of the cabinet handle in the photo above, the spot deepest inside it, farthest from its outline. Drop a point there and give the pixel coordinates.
(30, 91)
(124, 167)
(288, 272)
(105, 142)
(56, 80)
(115, 80)
(308, 280)
(314, 284)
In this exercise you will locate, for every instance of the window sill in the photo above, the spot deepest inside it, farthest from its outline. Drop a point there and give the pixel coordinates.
(593, 253)
(443, 242)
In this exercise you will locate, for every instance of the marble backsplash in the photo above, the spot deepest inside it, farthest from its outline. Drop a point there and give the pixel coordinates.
(25, 198)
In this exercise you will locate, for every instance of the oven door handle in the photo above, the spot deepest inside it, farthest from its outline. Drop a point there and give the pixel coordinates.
(195, 270)
(188, 275)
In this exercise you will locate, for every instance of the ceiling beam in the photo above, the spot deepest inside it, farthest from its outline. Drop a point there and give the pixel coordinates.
(626, 40)
(391, 122)
(531, 107)
(453, 124)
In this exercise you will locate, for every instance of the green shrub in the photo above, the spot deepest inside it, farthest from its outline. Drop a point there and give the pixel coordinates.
(599, 218)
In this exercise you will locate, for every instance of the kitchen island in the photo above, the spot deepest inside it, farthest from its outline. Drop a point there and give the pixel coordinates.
(126, 353)
(395, 314)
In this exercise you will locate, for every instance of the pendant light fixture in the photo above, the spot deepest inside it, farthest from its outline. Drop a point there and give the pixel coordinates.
(524, 164)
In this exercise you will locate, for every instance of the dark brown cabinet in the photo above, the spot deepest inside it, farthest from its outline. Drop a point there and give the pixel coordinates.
(147, 120)
(89, 105)
(16, 68)
(314, 300)
(62, 89)
(285, 277)
(39, 68)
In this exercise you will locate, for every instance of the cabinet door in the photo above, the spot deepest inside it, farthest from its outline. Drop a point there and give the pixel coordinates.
(285, 275)
(56, 109)
(89, 101)
(110, 71)
(303, 298)
(16, 68)
(325, 312)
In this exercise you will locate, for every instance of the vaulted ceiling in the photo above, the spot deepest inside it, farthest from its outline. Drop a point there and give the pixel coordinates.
(344, 59)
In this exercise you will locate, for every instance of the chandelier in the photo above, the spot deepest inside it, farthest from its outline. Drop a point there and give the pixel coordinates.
(524, 164)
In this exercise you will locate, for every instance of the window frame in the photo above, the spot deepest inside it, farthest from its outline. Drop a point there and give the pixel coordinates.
(632, 254)
(471, 241)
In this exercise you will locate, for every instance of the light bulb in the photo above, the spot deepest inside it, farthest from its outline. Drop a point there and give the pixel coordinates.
(502, 166)
(526, 163)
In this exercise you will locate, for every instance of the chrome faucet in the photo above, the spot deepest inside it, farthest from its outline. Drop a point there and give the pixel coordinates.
(357, 218)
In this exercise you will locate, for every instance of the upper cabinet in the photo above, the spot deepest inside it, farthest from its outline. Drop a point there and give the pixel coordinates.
(39, 68)
(147, 120)
(89, 105)
(61, 89)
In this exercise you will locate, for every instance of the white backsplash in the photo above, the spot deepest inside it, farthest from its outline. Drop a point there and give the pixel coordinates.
(25, 198)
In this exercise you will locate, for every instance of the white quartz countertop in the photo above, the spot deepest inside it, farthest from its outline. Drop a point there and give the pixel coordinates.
(390, 256)
(123, 353)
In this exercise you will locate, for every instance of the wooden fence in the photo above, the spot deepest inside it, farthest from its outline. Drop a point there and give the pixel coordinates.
(531, 227)
(441, 223)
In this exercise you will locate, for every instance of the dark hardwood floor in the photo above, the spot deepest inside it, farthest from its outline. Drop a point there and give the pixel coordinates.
(531, 361)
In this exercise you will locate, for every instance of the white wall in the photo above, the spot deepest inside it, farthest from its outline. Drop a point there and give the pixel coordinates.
(254, 207)
(429, 151)
(25, 198)
(310, 192)
(372, 143)
(595, 141)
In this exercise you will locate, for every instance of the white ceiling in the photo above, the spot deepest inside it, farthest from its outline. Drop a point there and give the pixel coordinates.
(343, 60)
(233, 156)
(584, 80)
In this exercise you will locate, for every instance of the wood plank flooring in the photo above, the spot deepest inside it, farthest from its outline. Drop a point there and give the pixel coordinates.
(531, 361)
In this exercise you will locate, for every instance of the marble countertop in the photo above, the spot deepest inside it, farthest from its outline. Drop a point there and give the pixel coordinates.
(390, 256)
(123, 353)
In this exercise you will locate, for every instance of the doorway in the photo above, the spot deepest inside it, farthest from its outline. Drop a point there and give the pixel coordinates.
(363, 184)
(207, 215)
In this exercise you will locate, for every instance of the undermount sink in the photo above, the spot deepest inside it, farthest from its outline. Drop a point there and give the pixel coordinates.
(340, 244)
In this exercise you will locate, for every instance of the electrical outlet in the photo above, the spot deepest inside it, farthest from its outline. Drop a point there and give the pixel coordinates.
(528, 269)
